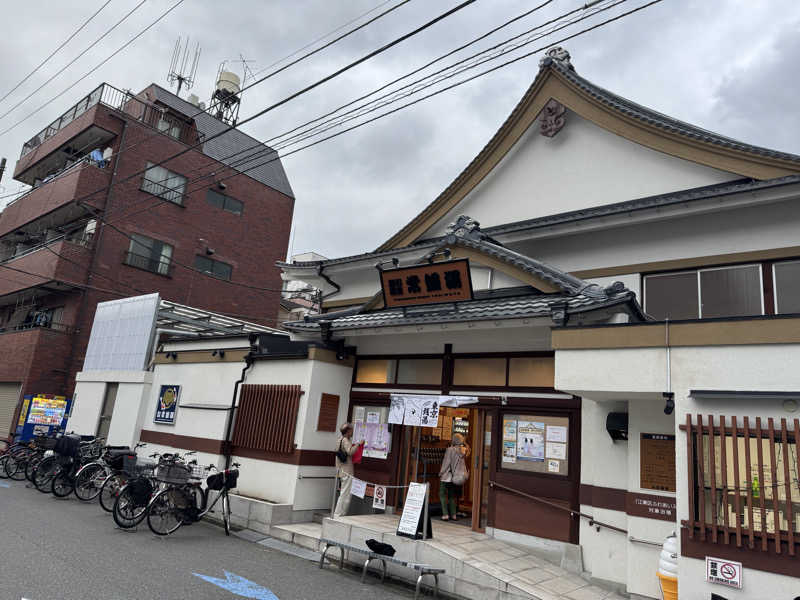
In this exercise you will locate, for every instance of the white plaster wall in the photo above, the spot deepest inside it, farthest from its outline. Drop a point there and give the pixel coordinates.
(542, 176)
(326, 378)
(756, 585)
(610, 373)
(271, 481)
(87, 406)
(761, 227)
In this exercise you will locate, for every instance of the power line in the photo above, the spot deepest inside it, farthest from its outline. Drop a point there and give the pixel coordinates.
(54, 52)
(70, 63)
(104, 61)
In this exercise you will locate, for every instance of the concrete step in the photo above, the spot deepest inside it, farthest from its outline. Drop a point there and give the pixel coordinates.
(319, 516)
(305, 535)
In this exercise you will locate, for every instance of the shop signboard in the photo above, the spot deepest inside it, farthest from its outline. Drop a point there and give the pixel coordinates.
(412, 520)
(167, 404)
(433, 283)
(724, 572)
(657, 462)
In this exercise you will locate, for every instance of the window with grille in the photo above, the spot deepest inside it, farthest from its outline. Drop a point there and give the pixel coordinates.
(266, 418)
(149, 254)
(743, 481)
(213, 267)
(164, 183)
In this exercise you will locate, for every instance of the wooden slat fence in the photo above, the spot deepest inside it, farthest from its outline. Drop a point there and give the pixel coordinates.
(744, 482)
(266, 418)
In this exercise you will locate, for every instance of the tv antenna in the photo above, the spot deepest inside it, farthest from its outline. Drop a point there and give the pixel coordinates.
(183, 66)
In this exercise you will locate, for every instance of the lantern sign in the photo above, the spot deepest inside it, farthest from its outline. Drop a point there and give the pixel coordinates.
(447, 281)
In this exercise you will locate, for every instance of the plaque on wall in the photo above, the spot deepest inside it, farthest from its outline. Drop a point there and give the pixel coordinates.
(447, 281)
(657, 462)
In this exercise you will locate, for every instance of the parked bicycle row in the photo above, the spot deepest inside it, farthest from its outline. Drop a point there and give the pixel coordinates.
(166, 490)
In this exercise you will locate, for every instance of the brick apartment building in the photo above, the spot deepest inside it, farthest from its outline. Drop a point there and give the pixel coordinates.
(227, 221)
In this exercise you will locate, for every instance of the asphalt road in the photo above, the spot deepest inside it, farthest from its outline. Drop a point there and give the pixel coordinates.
(52, 549)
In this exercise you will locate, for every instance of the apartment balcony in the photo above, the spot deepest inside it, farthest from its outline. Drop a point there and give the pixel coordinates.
(43, 268)
(92, 123)
(50, 204)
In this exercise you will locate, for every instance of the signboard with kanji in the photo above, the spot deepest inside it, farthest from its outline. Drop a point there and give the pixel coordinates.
(447, 281)
(657, 462)
(167, 404)
(725, 572)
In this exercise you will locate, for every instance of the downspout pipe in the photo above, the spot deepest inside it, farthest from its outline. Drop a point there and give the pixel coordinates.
(248, 359)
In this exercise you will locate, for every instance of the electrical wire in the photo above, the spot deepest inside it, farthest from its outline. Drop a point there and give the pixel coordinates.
(100, 64)
(70, 63)
(54, 52)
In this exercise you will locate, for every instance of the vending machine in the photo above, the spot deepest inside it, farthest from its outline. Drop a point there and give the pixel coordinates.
(42, 414)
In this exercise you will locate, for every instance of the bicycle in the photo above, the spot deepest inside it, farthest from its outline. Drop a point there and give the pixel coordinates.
(14, 459)
(177, 504)
(131, 503)
(65, 446)
(90, 477)
(63, 482)
(113, 484)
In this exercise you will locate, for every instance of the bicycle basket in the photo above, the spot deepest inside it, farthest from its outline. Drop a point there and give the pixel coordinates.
(217, 481)
(170, 472)
(133, 466)
(46, 443)
(141, 490)
(90, 451)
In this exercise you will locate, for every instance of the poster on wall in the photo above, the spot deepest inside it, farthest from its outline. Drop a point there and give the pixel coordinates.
(556, 433)
(378, 440)
(530, 441)
(509, 452)
(657, 462)
(358, 414)
(167, 404)
(509, 430)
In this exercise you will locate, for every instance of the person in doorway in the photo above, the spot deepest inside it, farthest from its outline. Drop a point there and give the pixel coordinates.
(344, 468)
(452, 477)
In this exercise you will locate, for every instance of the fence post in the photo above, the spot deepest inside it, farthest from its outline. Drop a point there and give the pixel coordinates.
(425, 516)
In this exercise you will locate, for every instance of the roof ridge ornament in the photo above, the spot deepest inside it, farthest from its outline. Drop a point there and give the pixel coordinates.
(557, 54)
(465, 227)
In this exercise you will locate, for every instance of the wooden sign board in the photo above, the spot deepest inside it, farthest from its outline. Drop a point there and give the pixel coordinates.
(657, 462)
(435, 283)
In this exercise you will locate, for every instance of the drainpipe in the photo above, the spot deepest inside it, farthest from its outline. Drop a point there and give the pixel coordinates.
(669, 395)
(248, 359)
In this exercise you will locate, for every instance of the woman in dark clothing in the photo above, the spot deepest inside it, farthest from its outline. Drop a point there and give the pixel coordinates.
(454, 462)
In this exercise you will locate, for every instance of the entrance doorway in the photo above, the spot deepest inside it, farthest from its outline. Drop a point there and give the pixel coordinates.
(475, 425)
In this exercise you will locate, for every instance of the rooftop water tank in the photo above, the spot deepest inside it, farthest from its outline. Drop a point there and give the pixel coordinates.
(228, 82)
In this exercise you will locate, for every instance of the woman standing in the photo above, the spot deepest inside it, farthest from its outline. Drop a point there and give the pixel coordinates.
(345, 449)
(453, 474)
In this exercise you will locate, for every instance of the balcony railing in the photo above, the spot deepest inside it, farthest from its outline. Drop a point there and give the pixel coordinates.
(160, 266)
(61, 327)
(118, 100)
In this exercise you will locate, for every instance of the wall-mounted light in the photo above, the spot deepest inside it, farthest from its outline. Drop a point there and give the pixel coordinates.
(669, 402)
(221, 185)
(172, 355)
(220, 353)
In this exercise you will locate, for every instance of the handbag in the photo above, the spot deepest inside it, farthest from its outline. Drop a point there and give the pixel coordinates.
(358, 454)
(341, 454)
(460, 472)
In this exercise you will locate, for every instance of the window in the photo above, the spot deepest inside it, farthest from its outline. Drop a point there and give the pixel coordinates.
(224, 202)
(705, 293)
(786, 279)
(421, 371)
(213, 267)
(532, 371)
(149, 254)
(479, 371)
(376, 371)
(170, 126)
(164, 184)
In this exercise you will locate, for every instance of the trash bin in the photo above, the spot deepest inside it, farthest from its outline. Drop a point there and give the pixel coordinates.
(668, 568)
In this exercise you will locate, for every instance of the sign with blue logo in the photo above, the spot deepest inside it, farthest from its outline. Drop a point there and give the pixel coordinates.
(167, 404)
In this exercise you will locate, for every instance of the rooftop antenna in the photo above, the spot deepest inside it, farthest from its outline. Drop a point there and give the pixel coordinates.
(183, 66)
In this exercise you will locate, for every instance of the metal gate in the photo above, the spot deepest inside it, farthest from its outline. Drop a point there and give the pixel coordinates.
(9, 396)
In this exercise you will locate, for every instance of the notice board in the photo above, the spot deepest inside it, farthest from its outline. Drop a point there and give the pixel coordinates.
(657, 462)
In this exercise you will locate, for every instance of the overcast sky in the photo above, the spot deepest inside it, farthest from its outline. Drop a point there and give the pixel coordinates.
(727, 65)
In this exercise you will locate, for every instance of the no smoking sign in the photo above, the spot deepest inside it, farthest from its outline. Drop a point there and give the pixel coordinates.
(724, 572)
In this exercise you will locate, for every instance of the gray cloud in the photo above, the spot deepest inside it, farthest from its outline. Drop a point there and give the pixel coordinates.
(723, 65)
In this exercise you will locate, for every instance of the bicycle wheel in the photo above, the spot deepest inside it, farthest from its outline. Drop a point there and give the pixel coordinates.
(62, 484)
(44, 474)
(30, 467)
(89, 480)
(163, 516)
(128, 513)
(226, 512)
(110, 489)
(3, 467)
(19, 459)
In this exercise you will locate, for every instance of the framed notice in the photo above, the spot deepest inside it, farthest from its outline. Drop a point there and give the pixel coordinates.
(447, 281)
(536, 443)
(657, 462)
(167, 404)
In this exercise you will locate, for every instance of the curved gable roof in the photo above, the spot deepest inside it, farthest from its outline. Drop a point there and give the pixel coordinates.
(558, 80)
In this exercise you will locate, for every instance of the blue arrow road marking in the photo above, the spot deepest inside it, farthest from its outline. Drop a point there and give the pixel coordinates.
(4, 484)
(239, 586)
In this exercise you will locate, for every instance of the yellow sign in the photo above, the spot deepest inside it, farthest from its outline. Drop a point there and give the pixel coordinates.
(24, 412)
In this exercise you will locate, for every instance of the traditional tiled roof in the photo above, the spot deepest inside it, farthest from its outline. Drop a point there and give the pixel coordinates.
(231, 147)
(527, 304)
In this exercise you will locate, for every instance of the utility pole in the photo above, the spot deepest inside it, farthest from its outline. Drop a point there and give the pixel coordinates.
(2, 167)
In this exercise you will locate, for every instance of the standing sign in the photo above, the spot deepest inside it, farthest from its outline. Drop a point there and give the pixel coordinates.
(427, 284)
(725, 572)
(167, 404)
(411, 522)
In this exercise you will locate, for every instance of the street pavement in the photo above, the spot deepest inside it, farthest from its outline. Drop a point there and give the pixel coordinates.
(64, 549)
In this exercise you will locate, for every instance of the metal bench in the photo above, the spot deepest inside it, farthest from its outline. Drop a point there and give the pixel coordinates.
(422, 569)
